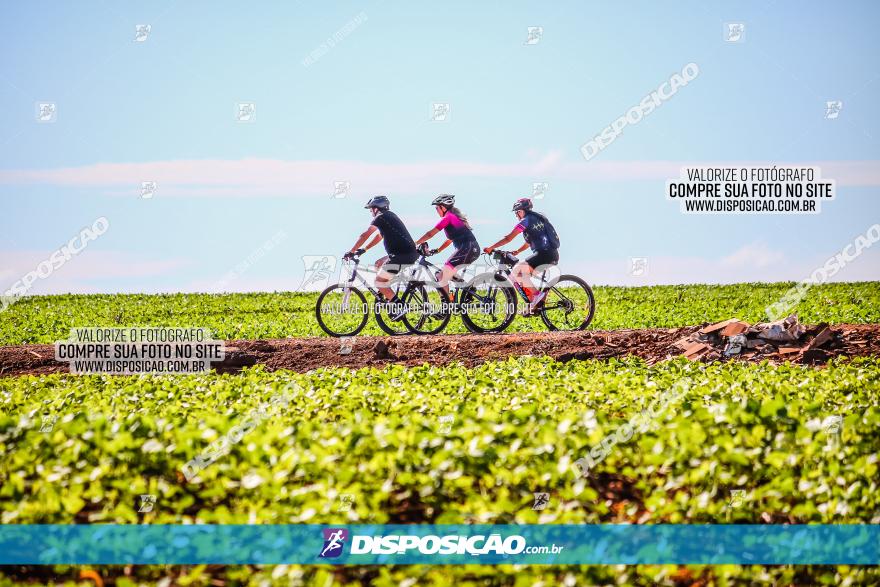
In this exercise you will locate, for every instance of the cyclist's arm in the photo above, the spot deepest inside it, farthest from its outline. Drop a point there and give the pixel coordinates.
(363, 238)
(444, 245)
(503, 241)
(427, 236)
(521, 249)
(376, 240)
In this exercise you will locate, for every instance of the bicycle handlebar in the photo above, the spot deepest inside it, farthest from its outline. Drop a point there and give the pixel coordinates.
(355, 256)
(505, 257)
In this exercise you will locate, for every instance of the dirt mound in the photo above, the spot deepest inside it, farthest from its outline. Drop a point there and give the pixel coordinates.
(653, 345)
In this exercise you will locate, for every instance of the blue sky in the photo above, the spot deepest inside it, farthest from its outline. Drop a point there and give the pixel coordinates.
(164, 110)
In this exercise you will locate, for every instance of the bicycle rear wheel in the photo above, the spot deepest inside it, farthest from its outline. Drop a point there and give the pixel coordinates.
(431, 311)
(342, 310)
(488, 304)
(569, 304)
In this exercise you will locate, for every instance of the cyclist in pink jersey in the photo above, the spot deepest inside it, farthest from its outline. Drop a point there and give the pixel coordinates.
(458, 232)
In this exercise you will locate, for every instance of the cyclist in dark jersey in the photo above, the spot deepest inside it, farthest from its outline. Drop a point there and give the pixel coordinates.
(458, 233)
(388, 227)
(540, 235)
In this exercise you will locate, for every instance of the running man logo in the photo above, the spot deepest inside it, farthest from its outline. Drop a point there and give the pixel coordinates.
(245, 112)
(737, 498)
(147, 503)
(535, 34)
(439, 111)
(832, 109)
(539, 189)
(734, 32)
(141, 32)
(446, 424)
(148, 189)
(541, 501)
(46, 112)
(318, 271)
(48, 423)
(832, 424)
(638, 266)
(341, 189)
(334, 540)
(6, 301)
(346, 500)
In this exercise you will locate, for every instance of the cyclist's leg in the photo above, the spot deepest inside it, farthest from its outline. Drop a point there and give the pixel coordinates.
(522, 276)
(446, 274)
(394, 265)
(540, 260)
(383, 277)
(456, 262)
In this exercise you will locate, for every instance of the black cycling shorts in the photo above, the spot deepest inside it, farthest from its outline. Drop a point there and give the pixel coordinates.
(466, 254)
(397, 262)
(550, 257)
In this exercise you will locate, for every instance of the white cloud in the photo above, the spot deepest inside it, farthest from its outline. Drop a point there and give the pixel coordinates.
(275, 177)
(79, 273)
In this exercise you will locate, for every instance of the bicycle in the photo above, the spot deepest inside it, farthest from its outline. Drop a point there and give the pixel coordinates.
(436, 313)
(339, 315)
(569, 305)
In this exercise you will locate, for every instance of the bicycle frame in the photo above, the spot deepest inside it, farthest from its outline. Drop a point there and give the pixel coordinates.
(356, 275)
(506, 271)
(427, 266)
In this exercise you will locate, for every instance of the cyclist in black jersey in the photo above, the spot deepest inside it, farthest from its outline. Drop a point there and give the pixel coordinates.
(389, 228)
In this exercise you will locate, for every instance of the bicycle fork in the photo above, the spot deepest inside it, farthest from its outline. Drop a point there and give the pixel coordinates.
(346, 294)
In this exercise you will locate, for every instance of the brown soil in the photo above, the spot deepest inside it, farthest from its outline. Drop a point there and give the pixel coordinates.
(303, 354)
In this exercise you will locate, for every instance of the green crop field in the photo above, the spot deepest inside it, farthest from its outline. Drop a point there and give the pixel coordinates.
(743, 444)
(45, 319)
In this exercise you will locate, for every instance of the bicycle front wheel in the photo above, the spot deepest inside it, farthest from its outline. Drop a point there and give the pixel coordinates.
(487, 304)
(342, 310)
(569, 304)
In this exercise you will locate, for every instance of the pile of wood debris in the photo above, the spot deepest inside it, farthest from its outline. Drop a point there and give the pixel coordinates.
(783, 340)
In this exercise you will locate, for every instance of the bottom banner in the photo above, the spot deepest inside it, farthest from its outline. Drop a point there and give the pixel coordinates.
(439, 545)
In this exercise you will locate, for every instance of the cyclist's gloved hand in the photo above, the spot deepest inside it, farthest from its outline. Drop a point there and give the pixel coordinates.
(423, 249)
(432, 252)
(348, 256)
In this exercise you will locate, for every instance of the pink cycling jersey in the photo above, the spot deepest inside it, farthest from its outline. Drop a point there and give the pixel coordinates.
(463, 239)
(456, 230)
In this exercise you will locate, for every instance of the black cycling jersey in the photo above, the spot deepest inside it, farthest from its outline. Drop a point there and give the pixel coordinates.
(395, 236)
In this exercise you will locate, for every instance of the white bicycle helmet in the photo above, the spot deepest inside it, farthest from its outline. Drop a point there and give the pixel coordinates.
(447, 200)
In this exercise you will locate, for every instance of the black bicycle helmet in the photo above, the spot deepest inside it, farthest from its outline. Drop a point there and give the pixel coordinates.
(522, 204)
(447, 200)
(380, 202)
